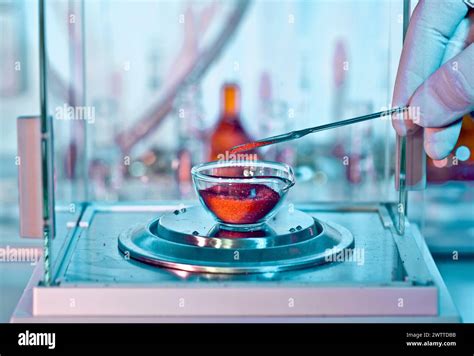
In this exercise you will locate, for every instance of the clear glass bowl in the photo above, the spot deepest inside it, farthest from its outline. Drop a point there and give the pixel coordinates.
(242, 195)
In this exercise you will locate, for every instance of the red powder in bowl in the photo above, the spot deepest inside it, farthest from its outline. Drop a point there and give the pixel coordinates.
(240, 203)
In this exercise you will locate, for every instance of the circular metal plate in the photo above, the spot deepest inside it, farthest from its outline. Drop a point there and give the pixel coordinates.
(193, 226)
(278, 249)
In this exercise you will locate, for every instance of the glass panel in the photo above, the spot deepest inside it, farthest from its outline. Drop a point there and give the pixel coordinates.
(134, 90)
(298, 64)
(63, 71)
(18, 97)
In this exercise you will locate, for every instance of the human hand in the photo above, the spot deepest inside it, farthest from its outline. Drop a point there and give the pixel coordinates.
(436, 74)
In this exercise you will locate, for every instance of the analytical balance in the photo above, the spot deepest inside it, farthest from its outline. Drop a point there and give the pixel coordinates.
(124, 245)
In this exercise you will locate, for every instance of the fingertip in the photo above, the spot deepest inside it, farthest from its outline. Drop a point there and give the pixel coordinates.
(438, 151)
(439, 142)
(403, 122)
(400, 129)
(399, 123)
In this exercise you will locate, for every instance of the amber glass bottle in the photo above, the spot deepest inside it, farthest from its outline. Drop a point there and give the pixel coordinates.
(229, 131)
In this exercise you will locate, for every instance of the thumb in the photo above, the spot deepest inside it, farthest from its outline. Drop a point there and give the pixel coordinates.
(440, 102)
(447, 94)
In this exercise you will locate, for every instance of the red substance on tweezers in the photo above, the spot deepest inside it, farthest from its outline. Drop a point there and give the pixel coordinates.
(240, 203)
(249, 146)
